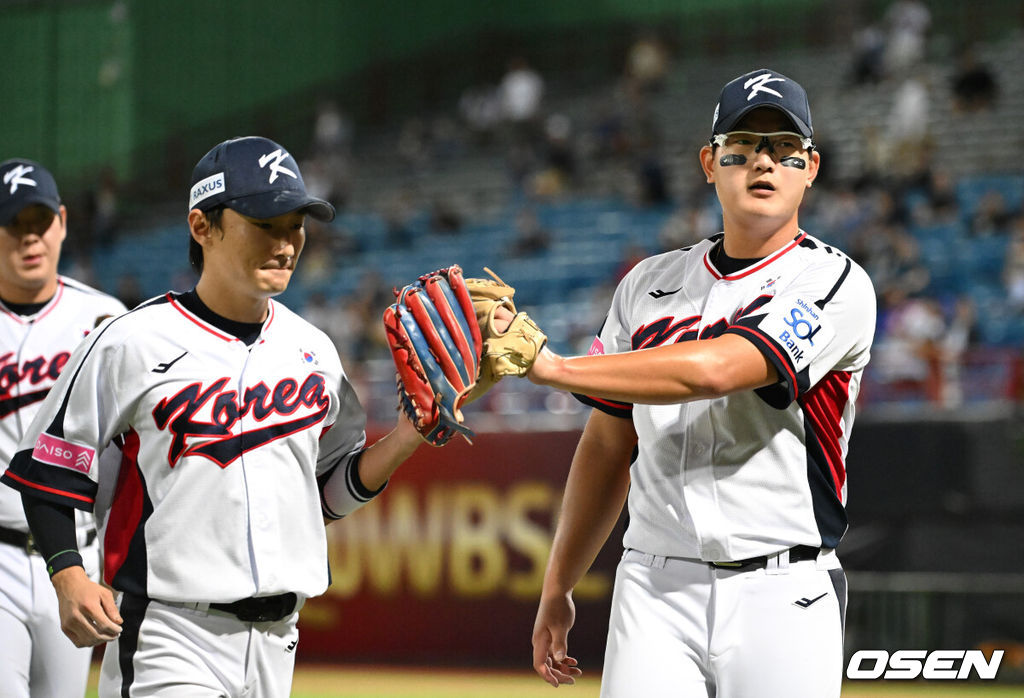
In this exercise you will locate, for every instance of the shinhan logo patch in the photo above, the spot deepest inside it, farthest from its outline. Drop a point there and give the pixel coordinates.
(596, 348)
(16, 176)
(63, 453)
(204, 189)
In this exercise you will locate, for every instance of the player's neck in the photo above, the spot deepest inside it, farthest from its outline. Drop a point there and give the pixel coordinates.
(746, 241)
(232, 306)
(26, 295)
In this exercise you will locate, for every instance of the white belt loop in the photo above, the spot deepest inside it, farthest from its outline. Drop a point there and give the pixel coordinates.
(197, 606)
(655, 561)
(778, 564)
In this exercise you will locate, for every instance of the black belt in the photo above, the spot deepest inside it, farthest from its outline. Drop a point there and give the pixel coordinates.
(260, 609)
(23, 540)
(798, 553)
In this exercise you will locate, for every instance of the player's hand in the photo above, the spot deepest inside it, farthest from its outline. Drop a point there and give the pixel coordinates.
(88, 614)
(544, 367)
(555, 616)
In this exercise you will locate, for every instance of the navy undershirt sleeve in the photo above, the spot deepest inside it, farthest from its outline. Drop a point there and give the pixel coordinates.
(53, 529)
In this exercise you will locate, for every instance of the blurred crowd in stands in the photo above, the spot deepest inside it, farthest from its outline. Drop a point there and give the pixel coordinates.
(928, 327)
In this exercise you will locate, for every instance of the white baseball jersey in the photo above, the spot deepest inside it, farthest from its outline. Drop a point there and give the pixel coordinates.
(758, 471)
(33, 352)
(200, 454)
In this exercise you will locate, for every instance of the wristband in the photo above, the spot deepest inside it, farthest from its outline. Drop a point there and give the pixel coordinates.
(63, 560)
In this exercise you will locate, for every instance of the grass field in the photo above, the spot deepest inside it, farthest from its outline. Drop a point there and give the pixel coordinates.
(392, 682)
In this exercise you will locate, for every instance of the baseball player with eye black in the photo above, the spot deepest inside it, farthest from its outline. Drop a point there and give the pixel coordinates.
(723, 383)
(212, 432)
(43, 317)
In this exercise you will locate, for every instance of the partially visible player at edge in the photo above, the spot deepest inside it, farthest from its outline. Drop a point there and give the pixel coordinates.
(723, 383)
(212, 432)
(43, 317)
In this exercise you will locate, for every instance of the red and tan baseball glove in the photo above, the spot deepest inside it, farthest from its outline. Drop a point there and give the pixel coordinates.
(436, 345)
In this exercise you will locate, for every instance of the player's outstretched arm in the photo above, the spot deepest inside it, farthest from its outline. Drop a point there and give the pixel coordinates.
(594, 495)
(383, 458)
(661, 375)
(88, 614)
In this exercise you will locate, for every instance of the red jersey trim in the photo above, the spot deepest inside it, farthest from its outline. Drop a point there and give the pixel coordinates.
(46, 311)
(761, 265)
(51, 490)
(824, 405)
(199, 323)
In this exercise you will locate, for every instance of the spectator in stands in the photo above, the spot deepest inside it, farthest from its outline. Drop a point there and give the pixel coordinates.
(332, 130)
(1013, 270)
(479, 108)
(647, 64)
(906, 353)
(974, 84)
(328, 169)
(399, 212)
(685, 227)
(940, 192)
(129, 291)
(894, 260)
(414, 144)
(992, 216)
(868, 55)
(445, 217)
(908, 130)
(532, 237)
(907, 23)
(520, 94)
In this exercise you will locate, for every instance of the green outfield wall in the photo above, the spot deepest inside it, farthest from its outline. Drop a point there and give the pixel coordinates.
(132, 83)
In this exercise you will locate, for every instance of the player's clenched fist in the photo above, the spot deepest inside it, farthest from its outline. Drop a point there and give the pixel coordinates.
(88, 614)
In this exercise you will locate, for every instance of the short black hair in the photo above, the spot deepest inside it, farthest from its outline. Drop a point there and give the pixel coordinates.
(195, 250)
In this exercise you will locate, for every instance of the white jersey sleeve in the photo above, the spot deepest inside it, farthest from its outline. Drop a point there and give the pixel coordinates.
(821, 322)
(34, 352)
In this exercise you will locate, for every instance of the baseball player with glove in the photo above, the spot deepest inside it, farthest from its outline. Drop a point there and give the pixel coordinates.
(212, 432)
(723, 384)
(43, 317)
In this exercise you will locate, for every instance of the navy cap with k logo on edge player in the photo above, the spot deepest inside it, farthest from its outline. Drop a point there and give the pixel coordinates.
(253, 176)
(23, 183)
(762, 88)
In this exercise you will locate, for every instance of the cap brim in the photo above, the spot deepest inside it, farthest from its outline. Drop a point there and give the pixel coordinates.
(13, 208)
(277, 203)
(728, 124)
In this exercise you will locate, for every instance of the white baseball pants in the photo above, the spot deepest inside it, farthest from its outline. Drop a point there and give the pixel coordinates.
(167, 651)
(681, 628)
(36, 658)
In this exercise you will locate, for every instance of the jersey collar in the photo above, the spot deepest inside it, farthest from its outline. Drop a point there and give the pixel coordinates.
(754, 267)
(45, 310)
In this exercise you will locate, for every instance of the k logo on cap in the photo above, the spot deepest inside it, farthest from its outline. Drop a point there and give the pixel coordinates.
(25, 183)
(762, 88)
(255, 177)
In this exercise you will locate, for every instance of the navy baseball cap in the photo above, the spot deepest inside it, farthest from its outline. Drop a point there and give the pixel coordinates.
(23, 183)
(762, 88)
(255, 177)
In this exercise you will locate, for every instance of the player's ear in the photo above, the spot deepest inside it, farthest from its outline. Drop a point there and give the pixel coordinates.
(707, 163)
(812, 167)
(199, 226)
(62, 213)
